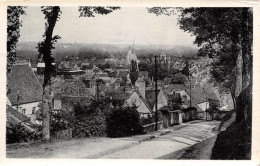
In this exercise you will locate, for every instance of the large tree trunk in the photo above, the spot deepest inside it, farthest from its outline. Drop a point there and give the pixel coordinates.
(233, 98)
(46, 103)
(239, 68)
(239, 80)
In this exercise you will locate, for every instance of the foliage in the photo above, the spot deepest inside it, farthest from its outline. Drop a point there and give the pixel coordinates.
(176, 102)
(163, 69)
(179, 79)
(133, 73)
(185, 71)
(104, 66)
(90, 11)
(212, 108)
(52, 15)
(90, 120)
(17, 133)
(60, 120)
(123, 121)
(151, 119)
(13, 32)
(223, 34)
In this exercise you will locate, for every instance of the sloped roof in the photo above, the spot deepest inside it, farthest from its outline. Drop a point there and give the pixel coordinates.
(122, 74)
(174, 87)
(22, 79)
(75, 88)
(143, 100)
(18, 115)
(143, 74)
(117, 94)
(200, 95)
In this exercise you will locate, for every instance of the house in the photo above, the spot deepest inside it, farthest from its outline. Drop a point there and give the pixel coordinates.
(24, 90)
(136, 99)
(14, 117)
(142, 74)
(203, 97)
(117, 97)
(72, 92)
(150, 99)
(41, 68)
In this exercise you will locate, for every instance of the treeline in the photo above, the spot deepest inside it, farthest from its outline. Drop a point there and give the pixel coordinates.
(102, 51)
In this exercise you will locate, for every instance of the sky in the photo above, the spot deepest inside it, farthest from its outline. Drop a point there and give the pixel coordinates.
(119, 27)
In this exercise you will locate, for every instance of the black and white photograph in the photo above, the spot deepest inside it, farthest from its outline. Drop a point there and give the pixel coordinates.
(118, 82)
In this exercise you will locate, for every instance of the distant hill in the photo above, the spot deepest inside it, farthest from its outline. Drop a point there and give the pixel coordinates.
(100, 51)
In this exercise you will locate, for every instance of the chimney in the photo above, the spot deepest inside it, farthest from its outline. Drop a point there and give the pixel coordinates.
(19, 109)
(141, 88)
(117, 85)
(33, 118)
(33, 110)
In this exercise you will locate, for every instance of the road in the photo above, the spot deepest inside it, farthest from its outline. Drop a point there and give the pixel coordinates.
(166, 144)
(136, 147)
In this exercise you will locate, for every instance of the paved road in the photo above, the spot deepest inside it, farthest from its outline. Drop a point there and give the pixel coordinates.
(166, 144)
(182, 136)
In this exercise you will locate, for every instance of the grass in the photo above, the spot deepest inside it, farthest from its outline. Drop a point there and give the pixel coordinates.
(233, 144)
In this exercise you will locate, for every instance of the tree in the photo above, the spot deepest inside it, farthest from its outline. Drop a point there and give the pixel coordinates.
(176, 102)
(179, 79)
(13, 32)
(45, 47)
(123, 121)
(220, 32)
(185, 71)
(133, 73)
(52, 14)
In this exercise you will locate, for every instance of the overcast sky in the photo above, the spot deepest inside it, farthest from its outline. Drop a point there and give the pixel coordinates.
(119, 27)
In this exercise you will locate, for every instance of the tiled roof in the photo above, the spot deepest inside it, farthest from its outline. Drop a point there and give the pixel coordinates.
(123, 74)
(18, 115)
(143, 74)
(117, 94)
(22, 79)
(174, 87)
(75, 88)
(200, 95)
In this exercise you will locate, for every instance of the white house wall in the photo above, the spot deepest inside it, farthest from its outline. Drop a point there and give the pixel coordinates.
(134, 99)
(204, 105)
(162, 101)
(28, 107)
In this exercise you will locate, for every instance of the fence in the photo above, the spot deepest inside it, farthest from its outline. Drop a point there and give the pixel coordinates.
(63, 134)
(201, 115)
(151, 127)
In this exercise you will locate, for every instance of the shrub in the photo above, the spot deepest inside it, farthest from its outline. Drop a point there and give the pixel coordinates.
(17, 133)
(123, 121)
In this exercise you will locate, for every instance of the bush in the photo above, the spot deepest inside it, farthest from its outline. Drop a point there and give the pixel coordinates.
(91, 125)
(123, 121)
(17, 133)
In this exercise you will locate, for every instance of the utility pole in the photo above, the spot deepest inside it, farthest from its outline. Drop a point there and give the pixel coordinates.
(190, 91)
(156, 109)
(18, 101)
(97, 84)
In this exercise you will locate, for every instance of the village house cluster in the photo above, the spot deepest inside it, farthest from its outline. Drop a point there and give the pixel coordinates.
(80, 80)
